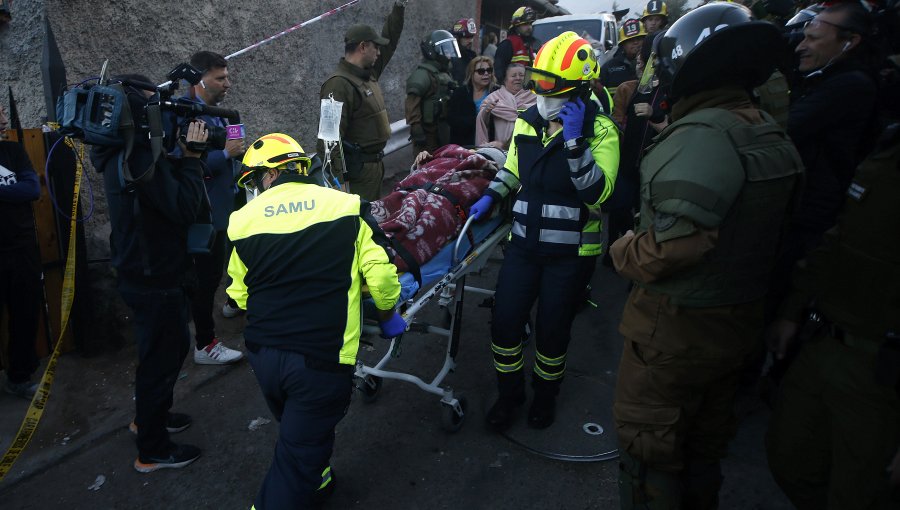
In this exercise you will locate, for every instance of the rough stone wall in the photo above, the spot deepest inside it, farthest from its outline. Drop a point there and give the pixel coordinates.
(275, 87)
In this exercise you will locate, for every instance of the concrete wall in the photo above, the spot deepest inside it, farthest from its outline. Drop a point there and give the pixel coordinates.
(275, 86)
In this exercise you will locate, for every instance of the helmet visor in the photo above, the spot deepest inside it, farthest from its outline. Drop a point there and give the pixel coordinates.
(546, 83)
(648, 78)
(251, 178)
(447, 47)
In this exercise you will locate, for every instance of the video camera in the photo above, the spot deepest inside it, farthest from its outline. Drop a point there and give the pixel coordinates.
(100, 113)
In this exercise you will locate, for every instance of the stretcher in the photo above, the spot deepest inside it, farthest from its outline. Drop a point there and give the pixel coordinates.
(443, 277)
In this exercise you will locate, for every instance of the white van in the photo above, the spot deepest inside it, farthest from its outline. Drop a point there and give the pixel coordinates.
(599, 29)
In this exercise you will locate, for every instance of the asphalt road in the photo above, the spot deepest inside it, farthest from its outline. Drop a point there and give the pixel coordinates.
(391, 453)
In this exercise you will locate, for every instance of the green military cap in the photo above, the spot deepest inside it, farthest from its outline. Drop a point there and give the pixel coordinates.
(362, 33)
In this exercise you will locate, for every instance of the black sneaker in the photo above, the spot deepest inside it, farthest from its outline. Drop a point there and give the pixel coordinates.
(500, 416)
(175, 422)
(179, 456)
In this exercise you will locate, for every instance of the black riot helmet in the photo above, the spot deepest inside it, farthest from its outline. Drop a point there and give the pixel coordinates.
(440, 46)
(718, 44)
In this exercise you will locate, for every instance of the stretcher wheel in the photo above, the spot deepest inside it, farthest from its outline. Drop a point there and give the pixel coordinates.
(369, 386)
(451, 419)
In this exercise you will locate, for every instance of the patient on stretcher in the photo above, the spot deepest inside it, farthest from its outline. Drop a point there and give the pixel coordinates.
(427, 209)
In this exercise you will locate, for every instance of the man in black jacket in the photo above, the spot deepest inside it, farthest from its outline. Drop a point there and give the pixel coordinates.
(148, 248)
(832, 120)
(20, 263)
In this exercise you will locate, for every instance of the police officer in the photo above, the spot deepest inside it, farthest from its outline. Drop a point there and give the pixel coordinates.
(519, 47)
(715, 192)
(621, 67)
(365, 128)
(301, 252)
(428, 90)
(836, 426)
(564, 154)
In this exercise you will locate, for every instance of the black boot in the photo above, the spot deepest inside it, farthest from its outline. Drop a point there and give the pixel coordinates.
(500, 416)
(542, 411)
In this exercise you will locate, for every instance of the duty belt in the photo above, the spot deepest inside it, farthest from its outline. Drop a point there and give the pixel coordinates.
(366, 157)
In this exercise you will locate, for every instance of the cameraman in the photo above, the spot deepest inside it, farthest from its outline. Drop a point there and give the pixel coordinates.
(218, 175)
(148, 248)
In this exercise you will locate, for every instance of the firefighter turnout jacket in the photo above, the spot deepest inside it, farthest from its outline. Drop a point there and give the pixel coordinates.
(301, 253)
(557, 211)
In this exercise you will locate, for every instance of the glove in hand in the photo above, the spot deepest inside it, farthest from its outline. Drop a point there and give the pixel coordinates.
(393, 327)
(572, 116)
(482, 207)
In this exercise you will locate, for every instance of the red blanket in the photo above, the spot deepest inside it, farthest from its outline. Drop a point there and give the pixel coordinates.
(423, 221)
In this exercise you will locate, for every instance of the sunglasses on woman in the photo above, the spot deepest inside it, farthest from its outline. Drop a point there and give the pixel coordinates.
(485, 70)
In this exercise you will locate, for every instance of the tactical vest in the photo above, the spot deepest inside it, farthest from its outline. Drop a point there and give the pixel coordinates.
(549, 218)
(719, 172)
(774, 98)
(368, 126)
(862, 258)
(440, 86)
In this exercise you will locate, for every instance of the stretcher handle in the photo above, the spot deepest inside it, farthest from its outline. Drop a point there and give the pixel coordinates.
(460, 237)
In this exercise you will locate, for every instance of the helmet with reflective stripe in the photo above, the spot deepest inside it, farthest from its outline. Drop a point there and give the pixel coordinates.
(631, 29)
(566, 62)
(275, 151)
(656, 8)
(522, 16)
(464, 27)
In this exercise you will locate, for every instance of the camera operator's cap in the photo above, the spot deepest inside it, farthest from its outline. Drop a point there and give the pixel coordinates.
(362, 33)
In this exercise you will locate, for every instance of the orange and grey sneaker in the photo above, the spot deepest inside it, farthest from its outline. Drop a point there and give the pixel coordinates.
(175, 422)
(178, 456)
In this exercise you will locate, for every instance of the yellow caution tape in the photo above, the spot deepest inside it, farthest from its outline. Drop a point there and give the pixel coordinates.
(39, 402)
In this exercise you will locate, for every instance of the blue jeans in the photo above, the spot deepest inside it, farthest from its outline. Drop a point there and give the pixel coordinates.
(163, 339)
(309, 400)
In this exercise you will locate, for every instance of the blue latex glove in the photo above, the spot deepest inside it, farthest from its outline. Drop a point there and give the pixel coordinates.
(572, 116)
(481, 207)
(393, 327)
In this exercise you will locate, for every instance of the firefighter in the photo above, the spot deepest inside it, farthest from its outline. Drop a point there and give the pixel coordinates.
(519, 47)
(564, 154)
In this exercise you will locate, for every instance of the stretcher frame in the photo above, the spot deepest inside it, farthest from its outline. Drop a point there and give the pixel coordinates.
(447, 289)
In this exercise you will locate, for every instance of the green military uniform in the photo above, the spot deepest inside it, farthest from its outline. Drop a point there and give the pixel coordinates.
(428, 91)
(715, 190)
(365, 127)
(837, 424)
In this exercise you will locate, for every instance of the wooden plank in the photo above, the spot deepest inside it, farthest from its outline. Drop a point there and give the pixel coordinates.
(48, 242)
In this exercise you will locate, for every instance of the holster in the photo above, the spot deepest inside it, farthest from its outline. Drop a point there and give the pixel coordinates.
(353, 160)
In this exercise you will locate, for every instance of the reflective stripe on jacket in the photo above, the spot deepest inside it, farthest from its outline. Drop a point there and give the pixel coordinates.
(301, 253)
(557, 210)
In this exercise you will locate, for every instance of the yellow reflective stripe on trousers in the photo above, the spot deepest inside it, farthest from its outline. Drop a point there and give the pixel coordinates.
(503, 351)
(326, 478)
(553, 362)
(505, 369)
(543, 374)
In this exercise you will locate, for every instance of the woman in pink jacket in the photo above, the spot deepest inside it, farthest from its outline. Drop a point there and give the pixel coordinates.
(495, 121)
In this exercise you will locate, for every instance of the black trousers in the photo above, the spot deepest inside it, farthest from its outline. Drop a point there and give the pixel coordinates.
(210, 269)
(20, 292)
(557, 283)
(309, 400)
(163, 340)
